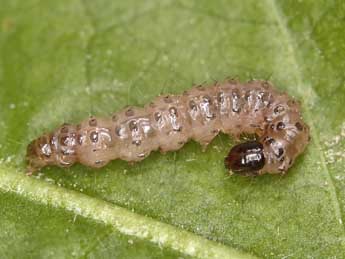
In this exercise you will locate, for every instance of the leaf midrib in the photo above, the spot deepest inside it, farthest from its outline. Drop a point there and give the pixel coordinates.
(121, 219)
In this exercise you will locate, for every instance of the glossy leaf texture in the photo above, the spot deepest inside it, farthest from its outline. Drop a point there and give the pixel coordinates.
(62, 61)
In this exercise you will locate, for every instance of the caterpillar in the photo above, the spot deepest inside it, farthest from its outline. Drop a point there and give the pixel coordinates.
(169, 121)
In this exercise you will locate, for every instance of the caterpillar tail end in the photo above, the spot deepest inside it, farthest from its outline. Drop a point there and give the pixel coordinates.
(34, 162)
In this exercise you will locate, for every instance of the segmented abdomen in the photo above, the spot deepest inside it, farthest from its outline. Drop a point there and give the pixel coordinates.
(170, 121)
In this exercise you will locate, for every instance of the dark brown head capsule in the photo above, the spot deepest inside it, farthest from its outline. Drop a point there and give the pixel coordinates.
(246, 158)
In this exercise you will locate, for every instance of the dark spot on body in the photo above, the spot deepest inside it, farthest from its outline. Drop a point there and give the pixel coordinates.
(66, 152)
(45, 149)
(192, 105)
(92, 122)
(173, 111)
(211, 116)
(178, 129)
(220, 97)
(280, 125)
(53, 140)
(247, 95)
(260, 96)
(291, 103)
(299, 126)
(68, 140)
(64, 140)
(167, 99)
(269, 140)
(200, 88)
(64, 128)
(235, 94)
(235, 101)
(279, 152)
(136, 142)
(278, 109)
(157, 116)
(232, 81)
(266, 99)
(79, 139)
(118, 131)
(207, 99)
(129, 112)
(265, 85)
(133, 125)
(114, 118)
(94, 136)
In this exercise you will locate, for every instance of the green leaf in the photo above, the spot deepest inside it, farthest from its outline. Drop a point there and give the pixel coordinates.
(61, 61)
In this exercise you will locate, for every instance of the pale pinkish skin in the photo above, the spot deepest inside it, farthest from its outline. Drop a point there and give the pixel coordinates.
(170, 121)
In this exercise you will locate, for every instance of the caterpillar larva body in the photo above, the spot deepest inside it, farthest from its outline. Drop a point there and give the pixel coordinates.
(170, 121)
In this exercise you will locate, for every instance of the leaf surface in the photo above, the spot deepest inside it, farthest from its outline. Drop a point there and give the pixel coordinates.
(61, 61)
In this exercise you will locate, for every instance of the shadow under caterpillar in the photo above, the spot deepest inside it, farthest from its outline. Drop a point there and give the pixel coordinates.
(168, 122)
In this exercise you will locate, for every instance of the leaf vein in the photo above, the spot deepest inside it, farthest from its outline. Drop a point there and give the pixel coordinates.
(121, 219)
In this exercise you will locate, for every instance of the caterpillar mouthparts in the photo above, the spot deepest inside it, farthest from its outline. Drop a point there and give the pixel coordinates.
(168, 122)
